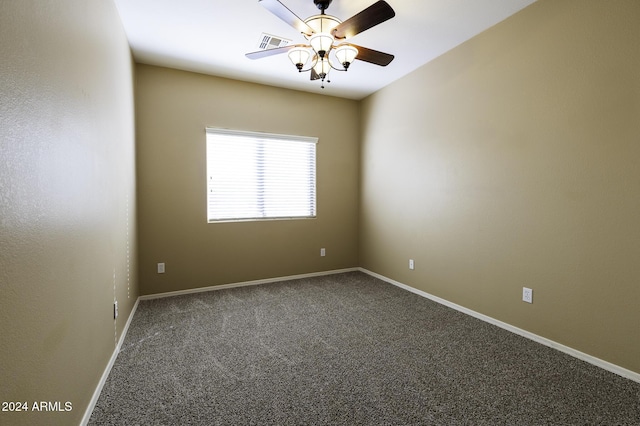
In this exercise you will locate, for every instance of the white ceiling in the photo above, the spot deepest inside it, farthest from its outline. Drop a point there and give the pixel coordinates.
(212, 37)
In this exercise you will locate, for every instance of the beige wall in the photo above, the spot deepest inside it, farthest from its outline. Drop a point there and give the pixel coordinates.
(173, 109)
(67, 201)
(512, 161)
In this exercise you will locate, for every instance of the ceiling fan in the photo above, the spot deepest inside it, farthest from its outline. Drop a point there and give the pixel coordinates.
(327, 37)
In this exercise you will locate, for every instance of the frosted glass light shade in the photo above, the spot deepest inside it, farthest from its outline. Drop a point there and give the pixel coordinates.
(346, 54)
(322, 68)
(299, 56)
(321, 43)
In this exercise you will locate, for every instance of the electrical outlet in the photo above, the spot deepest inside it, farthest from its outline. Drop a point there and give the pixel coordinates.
(412, 265)
(161, 268)
(323, 252)
(115, 309)
(527, 295)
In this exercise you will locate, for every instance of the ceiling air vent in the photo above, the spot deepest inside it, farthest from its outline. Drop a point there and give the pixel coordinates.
(267, 41)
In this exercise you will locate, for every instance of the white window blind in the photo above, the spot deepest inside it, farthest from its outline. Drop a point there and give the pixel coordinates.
(252, 176)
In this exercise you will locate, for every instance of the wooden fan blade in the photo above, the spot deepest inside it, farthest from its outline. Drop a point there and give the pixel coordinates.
(373, 56)
(270, 52)
(375, 14)
(284, 13)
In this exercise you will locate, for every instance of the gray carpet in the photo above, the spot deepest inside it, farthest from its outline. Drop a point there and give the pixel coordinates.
(344, 349)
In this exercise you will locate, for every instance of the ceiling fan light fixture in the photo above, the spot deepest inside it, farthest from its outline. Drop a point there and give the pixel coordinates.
(321, 43)
(299, 56)
(346, 55)
(324, 33)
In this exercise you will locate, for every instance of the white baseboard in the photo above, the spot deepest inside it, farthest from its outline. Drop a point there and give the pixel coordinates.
(244, 283)
(631, 375)
(107, 370)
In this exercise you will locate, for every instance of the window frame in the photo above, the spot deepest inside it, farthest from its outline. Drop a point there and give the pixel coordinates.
(263, 137)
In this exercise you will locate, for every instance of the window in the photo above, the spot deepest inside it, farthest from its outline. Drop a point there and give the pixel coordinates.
(252, 176)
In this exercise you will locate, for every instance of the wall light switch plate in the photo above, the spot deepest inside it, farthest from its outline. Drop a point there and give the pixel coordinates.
(412, 265)
(161, 268)
(323, 252)
(527, 295)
